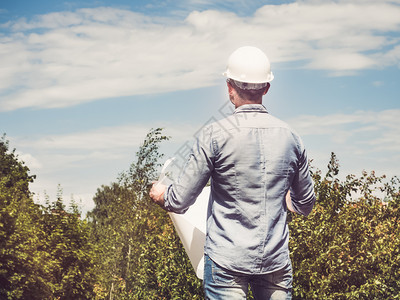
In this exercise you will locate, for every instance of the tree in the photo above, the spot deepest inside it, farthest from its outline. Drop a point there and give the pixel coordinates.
(348, 247)
(20, 267)
(70, 256)
(14, 174)
(44, 252)
(142, 256)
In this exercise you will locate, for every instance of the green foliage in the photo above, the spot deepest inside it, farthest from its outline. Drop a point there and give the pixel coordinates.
(20, 262)
(14, 175)
(142, 257)
(44, 252)
(70, 268)
(18, 233)
(348, 248)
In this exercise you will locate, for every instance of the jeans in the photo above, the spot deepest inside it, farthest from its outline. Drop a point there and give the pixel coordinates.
(222, 284)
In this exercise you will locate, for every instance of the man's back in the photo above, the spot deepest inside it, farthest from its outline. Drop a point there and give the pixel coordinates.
(256, 158)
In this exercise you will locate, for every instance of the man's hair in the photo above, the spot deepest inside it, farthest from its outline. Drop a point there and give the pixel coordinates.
(248, 94)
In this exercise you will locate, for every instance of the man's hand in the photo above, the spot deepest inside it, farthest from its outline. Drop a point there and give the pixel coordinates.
(157, 193)
(289, 202)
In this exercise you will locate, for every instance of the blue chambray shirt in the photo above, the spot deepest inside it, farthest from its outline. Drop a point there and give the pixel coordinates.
(253, 159)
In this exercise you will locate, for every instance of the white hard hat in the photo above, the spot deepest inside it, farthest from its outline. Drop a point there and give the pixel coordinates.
(249, 65)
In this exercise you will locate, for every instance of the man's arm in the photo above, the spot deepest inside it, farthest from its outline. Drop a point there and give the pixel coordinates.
(302, 197)
(194, 176)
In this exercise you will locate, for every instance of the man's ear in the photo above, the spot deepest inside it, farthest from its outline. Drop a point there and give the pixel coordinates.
(267, 88)
(230, 88)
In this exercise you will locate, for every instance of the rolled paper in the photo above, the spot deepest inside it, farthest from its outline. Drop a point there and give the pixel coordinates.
(191, 228)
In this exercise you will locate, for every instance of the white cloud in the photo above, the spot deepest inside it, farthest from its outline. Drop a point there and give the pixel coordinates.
(378, 83)
(102, 138)
(81, 162)
(335, 60)
(364, 140)
(367, 131)
(363, 131)
(392, 57)
(66, 58)
(74, 150)
(29, 160)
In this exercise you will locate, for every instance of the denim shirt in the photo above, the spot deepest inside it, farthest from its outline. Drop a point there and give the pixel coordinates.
(253, 159)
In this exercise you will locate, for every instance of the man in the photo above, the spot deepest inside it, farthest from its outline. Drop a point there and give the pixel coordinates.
(253, 160)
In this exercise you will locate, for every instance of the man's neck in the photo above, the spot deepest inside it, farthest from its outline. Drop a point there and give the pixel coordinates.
(245, 101)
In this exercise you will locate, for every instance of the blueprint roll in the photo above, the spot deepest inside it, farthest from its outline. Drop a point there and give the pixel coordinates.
(191, 228)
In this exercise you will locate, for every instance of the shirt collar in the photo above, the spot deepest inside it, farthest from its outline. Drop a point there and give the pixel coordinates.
(251, 108)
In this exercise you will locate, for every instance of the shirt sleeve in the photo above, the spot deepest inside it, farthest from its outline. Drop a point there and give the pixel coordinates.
(302, 188)
(182, 193)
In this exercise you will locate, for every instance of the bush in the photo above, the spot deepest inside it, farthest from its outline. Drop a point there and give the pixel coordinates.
(348, 248)
(141, 257)
(44, 251)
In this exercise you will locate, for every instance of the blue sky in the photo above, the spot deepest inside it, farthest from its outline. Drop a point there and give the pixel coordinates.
(81, 83)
